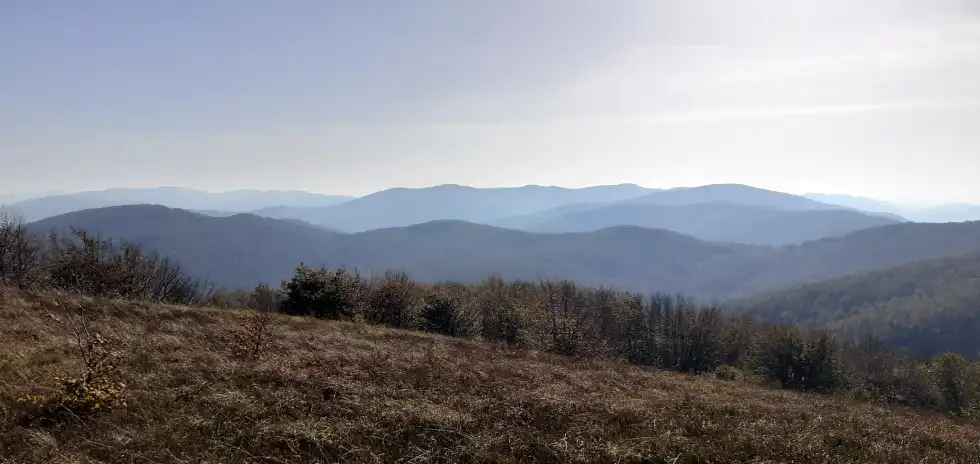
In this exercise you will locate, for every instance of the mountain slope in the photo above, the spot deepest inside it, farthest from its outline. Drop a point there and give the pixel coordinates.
(244, 249)
(174, 197)
(905, 305)
(406, 206)
(717, 221)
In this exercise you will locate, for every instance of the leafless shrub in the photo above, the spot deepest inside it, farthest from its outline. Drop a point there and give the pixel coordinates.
(95, 390)
(255, 330)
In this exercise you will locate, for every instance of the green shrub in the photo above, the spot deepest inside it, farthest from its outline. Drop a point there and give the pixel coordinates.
(445, 313)
(502, 320)
(394, 301)
(955, 379)
(322, 293)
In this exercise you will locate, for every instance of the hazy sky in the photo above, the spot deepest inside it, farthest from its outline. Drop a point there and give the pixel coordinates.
(870, 97)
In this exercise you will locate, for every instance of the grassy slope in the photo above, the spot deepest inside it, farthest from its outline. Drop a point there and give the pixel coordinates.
(354, 393)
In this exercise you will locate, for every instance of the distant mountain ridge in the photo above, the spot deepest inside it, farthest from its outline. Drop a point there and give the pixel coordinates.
(173, 197)
(244, 249)
(554, 209)
(513, 207)
(714, 221)
(941, 213)
(311, 207)
(401, 207)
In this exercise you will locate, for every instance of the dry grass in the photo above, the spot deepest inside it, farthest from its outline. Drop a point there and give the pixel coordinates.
(341, 392)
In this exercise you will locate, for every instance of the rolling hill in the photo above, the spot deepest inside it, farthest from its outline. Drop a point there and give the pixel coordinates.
(905, 305)
(175, 197)
(715, 221)
(244, 249)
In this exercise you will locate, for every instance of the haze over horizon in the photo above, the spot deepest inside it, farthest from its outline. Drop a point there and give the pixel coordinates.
(879, 99)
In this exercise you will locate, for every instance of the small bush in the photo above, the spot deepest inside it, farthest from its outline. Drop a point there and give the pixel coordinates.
(254, 333)
(726, 372)
(77, 398)
(95, 391)
(264, 298)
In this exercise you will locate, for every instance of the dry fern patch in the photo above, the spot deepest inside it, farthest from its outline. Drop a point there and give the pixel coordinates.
(192, 387)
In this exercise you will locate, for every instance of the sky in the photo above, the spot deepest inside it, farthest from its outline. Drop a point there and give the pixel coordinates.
(878, 98)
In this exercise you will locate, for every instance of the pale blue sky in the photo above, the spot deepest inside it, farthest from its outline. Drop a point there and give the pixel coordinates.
(878, 99)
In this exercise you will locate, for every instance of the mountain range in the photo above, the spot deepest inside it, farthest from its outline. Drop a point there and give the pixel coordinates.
(495, 206)
(244, 249)
(724, 212)
(528, 207)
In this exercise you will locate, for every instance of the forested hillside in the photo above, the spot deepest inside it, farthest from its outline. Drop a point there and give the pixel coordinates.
(927, 307)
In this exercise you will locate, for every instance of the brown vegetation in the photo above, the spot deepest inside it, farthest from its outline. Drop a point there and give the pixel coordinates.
(87, 375)
(331, 391)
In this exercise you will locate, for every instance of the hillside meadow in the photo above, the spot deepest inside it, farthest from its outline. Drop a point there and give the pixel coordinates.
(184, 385)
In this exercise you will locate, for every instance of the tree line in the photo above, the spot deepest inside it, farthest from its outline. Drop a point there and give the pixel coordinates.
(665, 331)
